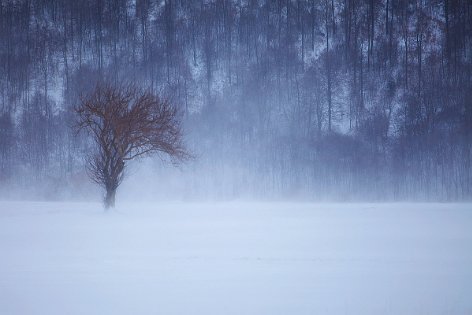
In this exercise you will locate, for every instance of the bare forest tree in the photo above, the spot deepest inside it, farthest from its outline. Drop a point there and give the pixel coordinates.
(125, 123)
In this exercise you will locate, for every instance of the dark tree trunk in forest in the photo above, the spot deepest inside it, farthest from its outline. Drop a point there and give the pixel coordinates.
(328, 70)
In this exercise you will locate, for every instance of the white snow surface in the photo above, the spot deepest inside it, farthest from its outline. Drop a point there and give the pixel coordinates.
(235, 258)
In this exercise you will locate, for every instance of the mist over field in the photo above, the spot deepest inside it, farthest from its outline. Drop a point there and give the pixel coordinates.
(236, 157)
(300, 99)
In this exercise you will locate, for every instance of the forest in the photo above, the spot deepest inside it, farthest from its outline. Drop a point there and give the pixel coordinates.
(319, 100)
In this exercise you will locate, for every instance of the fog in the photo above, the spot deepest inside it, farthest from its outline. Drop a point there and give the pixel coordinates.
(266, 157)
(294, 100)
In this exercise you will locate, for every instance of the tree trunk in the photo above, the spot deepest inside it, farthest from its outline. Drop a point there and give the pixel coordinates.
(110, 198)
(328, 70)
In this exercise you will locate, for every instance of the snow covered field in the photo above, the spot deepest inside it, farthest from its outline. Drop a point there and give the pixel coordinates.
(236, 258)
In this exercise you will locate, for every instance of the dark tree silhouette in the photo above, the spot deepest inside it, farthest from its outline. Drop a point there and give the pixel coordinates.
(126, 123)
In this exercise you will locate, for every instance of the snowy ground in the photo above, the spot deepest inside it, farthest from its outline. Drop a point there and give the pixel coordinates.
(71, 258)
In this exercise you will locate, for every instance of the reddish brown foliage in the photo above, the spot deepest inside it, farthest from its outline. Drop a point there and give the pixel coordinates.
(126, 123)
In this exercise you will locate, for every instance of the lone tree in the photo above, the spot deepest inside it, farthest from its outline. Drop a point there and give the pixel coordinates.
(125, 123)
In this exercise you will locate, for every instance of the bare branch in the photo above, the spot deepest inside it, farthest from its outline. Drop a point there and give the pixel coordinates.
(126, 123)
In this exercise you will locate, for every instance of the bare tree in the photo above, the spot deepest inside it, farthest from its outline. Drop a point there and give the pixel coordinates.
(126, 122)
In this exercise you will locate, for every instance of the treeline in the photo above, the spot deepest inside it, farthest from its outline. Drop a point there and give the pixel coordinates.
(331, 99)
